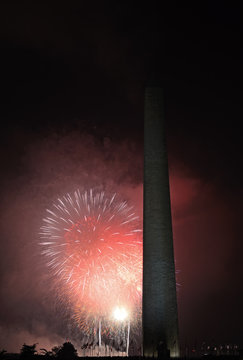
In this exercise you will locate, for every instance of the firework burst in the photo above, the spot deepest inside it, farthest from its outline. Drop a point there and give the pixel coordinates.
(92, 244)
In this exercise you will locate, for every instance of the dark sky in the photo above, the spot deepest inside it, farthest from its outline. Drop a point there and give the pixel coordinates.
(72, 85)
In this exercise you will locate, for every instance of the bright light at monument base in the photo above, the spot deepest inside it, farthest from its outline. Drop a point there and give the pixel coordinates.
(120, 313)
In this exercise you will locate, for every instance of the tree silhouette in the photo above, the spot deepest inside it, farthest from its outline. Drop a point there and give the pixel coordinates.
(2, 354)
(55, 350)
(28, 351)
(67, 352)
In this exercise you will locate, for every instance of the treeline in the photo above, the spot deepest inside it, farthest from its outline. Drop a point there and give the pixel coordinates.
(67, 351)
(28, 352)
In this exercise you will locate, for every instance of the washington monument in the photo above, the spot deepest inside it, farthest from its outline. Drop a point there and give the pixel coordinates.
(160, 321)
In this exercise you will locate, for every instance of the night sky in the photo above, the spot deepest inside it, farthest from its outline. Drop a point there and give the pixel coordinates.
(72, 86)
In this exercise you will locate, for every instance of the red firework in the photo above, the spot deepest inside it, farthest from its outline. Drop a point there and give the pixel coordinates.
(93, 247)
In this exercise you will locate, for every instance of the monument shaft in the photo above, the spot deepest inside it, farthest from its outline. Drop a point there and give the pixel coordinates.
(160, 321)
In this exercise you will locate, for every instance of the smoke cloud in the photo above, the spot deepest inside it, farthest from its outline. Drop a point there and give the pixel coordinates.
(49, 168)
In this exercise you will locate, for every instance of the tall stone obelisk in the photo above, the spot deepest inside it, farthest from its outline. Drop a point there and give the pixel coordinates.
(160, 321)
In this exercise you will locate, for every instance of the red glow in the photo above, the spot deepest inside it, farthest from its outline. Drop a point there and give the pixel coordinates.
(94, 250)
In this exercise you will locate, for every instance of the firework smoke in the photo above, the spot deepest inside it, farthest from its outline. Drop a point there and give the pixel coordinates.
(92, 245)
